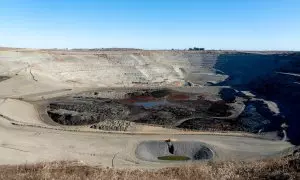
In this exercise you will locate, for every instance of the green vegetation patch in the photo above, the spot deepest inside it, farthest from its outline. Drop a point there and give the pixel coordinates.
(174, 158)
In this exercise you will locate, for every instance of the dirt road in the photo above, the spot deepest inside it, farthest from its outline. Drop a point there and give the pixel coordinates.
(21, 144)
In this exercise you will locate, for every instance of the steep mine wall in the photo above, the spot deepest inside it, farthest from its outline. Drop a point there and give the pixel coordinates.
(274, 77)
(243, 68)
(202, 69)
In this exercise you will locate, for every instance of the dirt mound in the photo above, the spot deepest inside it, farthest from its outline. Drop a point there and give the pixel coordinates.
(3, 78)
(85, 111)
(113, 125)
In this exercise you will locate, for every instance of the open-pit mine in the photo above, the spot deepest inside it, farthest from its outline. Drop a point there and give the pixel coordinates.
(147, 109)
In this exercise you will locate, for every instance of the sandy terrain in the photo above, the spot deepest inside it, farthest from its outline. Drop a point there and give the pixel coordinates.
(41, 75)
(21, 144)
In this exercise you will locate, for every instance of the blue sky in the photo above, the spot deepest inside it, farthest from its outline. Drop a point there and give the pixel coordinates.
(153, 24)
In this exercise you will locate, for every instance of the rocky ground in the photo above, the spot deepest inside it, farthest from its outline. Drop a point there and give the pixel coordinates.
(167, 108)
(157, 107)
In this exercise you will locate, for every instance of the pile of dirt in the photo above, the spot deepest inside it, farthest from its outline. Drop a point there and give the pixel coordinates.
(3, 78)
(85, 111)
(113, 125)
(210, 124)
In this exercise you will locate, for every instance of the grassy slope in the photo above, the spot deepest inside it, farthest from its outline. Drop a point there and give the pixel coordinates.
(278, 168)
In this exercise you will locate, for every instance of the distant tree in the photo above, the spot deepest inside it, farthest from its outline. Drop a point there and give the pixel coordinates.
(196, 49)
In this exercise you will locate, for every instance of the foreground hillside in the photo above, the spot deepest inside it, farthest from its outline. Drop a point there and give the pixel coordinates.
(285, 168)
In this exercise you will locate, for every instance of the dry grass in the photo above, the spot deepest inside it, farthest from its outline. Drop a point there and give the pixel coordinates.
(279, 168)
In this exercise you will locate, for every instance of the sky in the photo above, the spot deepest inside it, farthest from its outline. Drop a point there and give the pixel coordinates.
(152, 24)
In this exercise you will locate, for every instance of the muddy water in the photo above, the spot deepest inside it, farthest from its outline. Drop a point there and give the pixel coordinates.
(152, 104)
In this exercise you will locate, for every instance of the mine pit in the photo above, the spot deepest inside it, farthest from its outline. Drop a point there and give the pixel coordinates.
(182, 151)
